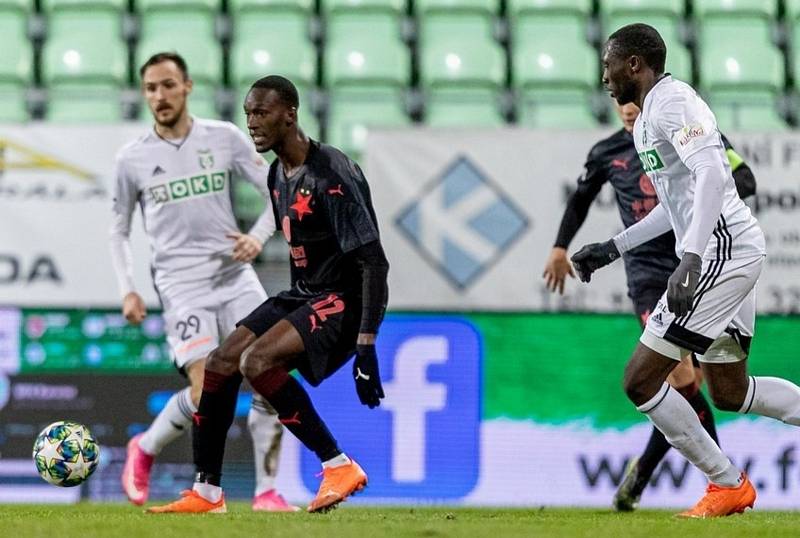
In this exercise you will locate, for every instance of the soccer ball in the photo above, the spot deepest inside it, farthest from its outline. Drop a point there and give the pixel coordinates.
(65, 453)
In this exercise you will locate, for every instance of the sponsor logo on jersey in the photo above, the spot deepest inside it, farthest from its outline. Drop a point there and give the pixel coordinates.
(693, 130)
(190, 187)
(651, 160)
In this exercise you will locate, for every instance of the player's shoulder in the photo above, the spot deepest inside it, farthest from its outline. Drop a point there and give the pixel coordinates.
(672, 95)
(136, 149)
(216, 127)
(334, 165)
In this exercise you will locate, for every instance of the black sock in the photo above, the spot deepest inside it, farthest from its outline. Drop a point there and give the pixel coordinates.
(211, 424)
(296, 412)
(704, 413)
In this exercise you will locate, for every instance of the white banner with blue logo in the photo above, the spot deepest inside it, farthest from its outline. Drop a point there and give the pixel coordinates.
(469, 217)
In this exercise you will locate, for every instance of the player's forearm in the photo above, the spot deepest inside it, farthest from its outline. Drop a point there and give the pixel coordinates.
(710, 176)
(574, 217)
(654, 224)
(264, 227)
(374, 287)
(121, 255)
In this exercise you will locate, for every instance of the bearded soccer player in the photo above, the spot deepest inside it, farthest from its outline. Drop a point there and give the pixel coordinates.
(709, 305)
(180, 173)
(333, 310)
(647, 267)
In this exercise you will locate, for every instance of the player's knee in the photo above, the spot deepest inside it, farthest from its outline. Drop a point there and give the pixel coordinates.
(727, 401)
(638, 389)
(221, 360)
(255, 360)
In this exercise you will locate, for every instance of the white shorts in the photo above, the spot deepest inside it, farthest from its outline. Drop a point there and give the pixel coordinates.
(720, 325)
(195, 325)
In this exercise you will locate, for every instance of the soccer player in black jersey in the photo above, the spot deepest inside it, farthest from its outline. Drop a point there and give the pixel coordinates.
(647, 268)
(332, 311)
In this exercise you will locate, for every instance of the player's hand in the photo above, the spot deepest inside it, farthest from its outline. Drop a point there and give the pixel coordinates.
(557, 269)
(683, 283)
(592, 257)
(367, 376)
(246, 247)
(133, 308)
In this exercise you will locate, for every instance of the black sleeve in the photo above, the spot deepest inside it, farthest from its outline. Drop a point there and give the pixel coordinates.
(375, 290)
(589, 184)
(349, 208)
(742, 174)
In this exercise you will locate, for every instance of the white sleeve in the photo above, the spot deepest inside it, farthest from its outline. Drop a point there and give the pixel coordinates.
(125, 198)
(654, 224)
(250, 166)
(708, 168)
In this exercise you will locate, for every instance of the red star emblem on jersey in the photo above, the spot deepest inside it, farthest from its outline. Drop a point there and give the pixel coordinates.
(301, 205)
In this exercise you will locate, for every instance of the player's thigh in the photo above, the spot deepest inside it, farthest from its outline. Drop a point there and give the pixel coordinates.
(329, 328)
(645, 299)
(191, 333)
(724, 287)
(241, 297)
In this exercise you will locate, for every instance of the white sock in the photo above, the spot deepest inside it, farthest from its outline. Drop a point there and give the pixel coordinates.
(338, 461)
(208, 492)
(672, 414)
(773, 397)
(266, 432)
(170, 423)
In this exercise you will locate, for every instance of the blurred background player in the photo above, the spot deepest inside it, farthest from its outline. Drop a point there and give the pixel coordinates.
(180, 174)
(709, 305)
(333, 310)
(647, 268)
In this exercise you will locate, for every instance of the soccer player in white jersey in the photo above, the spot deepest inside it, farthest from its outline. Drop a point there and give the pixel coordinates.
(709, 305)
(179, 173)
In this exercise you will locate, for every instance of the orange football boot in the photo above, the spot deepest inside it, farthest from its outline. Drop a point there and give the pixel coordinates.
(191, 503)
(720, 501)
(338, 483)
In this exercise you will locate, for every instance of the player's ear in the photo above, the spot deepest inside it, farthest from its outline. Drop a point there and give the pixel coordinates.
(635, 63)
(189, 83)
(291, 116)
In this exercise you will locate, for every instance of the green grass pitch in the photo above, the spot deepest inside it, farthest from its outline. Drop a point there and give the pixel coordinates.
(124, 521)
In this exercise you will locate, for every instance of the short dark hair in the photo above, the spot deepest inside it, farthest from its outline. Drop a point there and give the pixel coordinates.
(640, 40)
(282, 86)
(161, 57)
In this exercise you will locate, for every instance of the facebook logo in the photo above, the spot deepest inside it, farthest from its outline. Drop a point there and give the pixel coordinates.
(424, 439)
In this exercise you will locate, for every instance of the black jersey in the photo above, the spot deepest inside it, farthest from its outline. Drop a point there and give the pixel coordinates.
(615, 160)
(325, 211)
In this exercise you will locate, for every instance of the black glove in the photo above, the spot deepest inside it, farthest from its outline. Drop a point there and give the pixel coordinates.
(683, 283)
(367, 376)
(592, 257)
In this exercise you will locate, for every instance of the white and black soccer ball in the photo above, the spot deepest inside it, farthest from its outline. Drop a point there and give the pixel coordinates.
(65, 453)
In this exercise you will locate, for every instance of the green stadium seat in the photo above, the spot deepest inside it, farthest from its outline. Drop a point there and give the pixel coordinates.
(148, 6)
(83, 103)
(117, 6)
(22, 6)
(642, 8)
(516, 8)
(746, 110)
(792, 9)
(366, 49)
(353, 111)
(189, 33)
(13, 102)
(766, 9)
(237, 7)
(458, 107)
(16, 55)
(679, 61)
(395, 7)
(485, 7)
(72, 54)
(284, 50)
(552, 50)
(460, 52)
(556, 108)
(739, 54)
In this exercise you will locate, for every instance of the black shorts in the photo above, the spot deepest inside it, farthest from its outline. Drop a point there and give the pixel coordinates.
(328, 324)
(644, 301)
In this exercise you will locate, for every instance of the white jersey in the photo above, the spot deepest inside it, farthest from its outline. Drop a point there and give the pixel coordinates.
(184, 191)
(674, 124)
